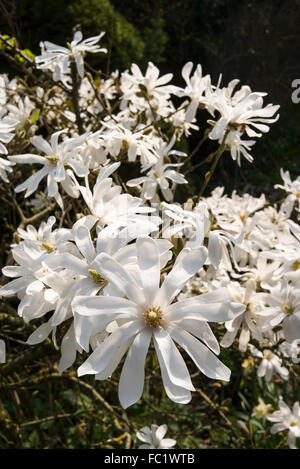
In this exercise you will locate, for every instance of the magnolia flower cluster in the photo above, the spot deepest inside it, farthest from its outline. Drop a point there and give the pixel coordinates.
(132, 270)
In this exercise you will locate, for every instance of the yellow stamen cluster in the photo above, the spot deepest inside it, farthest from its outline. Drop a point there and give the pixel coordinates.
(296, 265)
(97, 277)
(268, 356)
(53, 160)
(288, 309)
(48, 247)
(153, 317)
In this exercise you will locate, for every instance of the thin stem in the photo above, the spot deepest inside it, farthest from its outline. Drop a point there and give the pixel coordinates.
(207, 160)
(75, 97)
(209, 174)
(205, 136)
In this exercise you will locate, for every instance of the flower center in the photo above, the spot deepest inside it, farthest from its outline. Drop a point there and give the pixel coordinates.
(53, 160)
(288, 309)
(153, 317)
(97, 278)
(48, 247)
(296, 265)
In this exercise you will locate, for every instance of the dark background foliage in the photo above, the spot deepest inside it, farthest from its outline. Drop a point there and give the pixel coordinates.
(256, 41)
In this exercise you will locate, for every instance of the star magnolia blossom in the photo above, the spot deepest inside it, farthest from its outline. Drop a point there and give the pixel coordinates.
(153, 437)
(109, 207)
(159, 173)
(196, 87)
(251, 320)
(57, 58)
(241, 111)
(283, 304)
(270, 364)
(287, 420)
(146, 312)
(261, 410)
(59, 162)
(291, 187)
(156, 178)
(237, 146)
(134, 143)
(141, 91)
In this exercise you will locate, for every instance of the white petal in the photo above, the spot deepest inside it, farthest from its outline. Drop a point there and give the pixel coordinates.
(160, 432)
(194, 308)
(2, 351)
(187, 264)
(132, 378)
(116, 273)
(68, 350)
(202, 331)
(84, 243)
(205, 360)
(214, 249)
(103, 354)
(110, 368)
(40, 334)
(175, 393)
(149, 265)
(13, 287)
(167, 443)
(68, 261)
(92, 314)
(172, 360)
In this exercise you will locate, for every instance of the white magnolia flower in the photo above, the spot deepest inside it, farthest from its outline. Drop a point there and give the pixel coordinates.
(291, 350)
(287, 420)
(241, 111)
(156, 178)
(21, 111)
(196, 87)
(146, 312)
(59, 163)
(153, 437)
(120, 138)
(261, 410)
(237, 146)
(251, 320)
(283, 306)
(291, 187)
(57, 58)
(179, 120)
(160, 172)
(28, 283)
(141, 92)
(195, 225)
(84, 260)
(108, 206)
(31, 278)
(270, 364)
(262, 272)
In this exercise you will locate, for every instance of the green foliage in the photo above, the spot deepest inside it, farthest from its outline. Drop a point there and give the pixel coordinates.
(122, 39)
